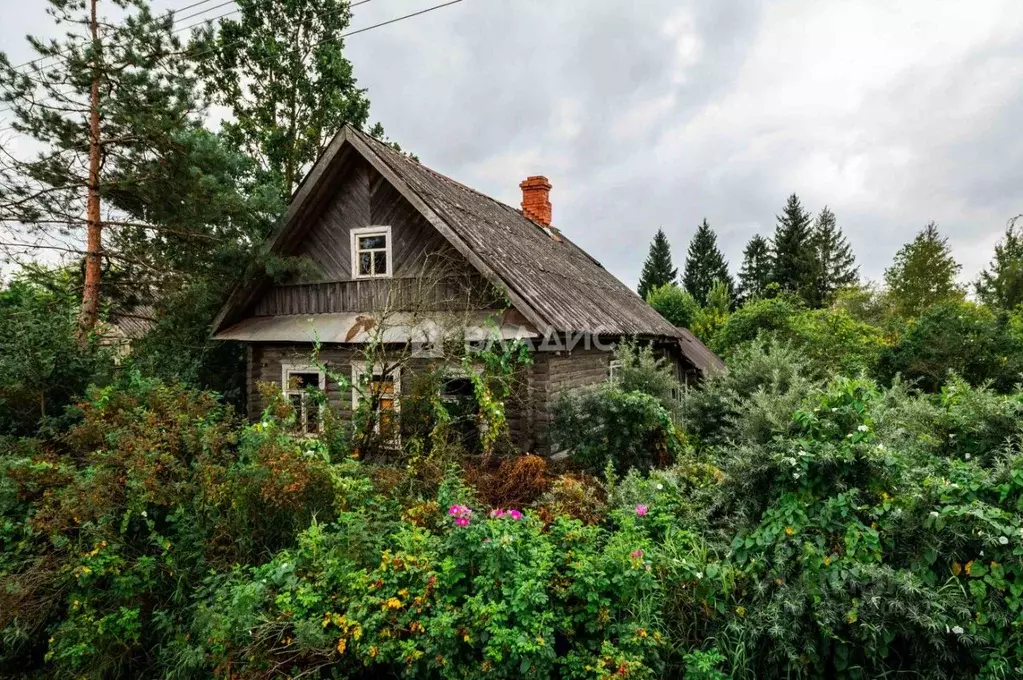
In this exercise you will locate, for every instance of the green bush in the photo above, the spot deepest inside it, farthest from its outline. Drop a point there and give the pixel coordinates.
(963, 338)
(640, 370)
(632, 429)
(42, 365)
(674, 304)
(496, 597)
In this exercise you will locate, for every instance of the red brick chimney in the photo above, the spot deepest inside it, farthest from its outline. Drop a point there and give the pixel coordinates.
(536, 202)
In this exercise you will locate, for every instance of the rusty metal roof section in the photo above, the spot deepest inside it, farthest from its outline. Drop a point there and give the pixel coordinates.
(552, 282)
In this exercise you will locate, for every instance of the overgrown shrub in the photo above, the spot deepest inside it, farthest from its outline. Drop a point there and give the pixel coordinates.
(632, 429)
(640, 370)
(42, 365)
(956, 337)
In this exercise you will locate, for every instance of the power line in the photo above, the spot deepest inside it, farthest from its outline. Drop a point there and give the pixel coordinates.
(335, 38)
(155, 19)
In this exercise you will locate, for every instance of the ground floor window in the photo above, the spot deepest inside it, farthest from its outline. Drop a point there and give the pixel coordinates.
(381, 389)
(301, 385)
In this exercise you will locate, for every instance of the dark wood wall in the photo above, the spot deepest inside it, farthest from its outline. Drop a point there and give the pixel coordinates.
(427, 272)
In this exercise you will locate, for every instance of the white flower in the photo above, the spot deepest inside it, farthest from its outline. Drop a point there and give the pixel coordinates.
(145, 514)
(862, 428)
(934, 513)
(958, 630)
(795, 475)
(660, 487)
(967, 456)
(834, 410)
(1003, 540)
(699, 574)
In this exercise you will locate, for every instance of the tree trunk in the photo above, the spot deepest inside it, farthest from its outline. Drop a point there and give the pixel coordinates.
(94, 246)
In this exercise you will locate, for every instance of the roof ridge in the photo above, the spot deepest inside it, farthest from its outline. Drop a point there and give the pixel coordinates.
(440, 175)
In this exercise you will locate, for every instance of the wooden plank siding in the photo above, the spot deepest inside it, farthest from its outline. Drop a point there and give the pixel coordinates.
(399, 294)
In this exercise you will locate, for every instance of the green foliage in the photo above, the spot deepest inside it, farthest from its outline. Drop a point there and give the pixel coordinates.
(631, 429)
(765, 382)
(640, 370)
(963, 338)
(705, 265)
(674, 304)
(755, 273)
(657, 269)
(792, 250)
(120, 517)
(754, 318)
(281, 69)
(500, 596)
(831, 340)
(834, 265)
(923, 273)
(42, 366)
(1001, 285)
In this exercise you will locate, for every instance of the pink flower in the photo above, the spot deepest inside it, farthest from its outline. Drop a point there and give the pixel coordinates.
(641, 510)
(497, 512)
(515, 514)
(636, 554)
(461, 513)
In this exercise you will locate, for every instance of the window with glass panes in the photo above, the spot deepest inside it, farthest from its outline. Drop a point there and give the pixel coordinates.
(300, 385)
(371, 252)
(381, 388)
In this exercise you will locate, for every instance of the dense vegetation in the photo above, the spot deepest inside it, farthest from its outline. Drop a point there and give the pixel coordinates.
(845, 501)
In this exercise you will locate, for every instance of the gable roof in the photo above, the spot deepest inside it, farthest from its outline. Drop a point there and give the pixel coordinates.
(549, 279)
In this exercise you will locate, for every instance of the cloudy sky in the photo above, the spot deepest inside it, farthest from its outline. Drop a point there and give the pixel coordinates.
(658, 113)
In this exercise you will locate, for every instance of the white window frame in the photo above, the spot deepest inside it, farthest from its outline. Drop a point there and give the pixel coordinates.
(359, 369)
(362, 232)
(614, 368)
(286, 371)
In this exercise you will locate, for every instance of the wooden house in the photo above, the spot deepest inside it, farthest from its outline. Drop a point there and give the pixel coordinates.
(391, 242)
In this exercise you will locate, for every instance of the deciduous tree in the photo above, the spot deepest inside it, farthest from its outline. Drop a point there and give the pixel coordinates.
(923, 273)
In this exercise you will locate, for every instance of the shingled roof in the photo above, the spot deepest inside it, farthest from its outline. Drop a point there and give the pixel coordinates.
(548, 278)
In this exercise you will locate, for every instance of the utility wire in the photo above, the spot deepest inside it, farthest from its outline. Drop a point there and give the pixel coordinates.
(155, 19)
(335, 38)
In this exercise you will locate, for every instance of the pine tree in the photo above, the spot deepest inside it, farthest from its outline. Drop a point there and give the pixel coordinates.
(281, 70)
(1001, 285)
(125, 179)
(924, 272)
(834, 265)
(657, 270)
(705, 264)
(755, 274)
(792, 250)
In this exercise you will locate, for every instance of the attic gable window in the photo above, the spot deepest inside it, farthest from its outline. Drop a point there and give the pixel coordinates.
(371, 252)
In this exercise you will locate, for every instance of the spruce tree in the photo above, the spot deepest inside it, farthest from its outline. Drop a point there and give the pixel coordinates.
(792, 249)
(1001, 285)
(705, 264)
(834, 265)
(924, 272)
(657, 270)
(755, 274)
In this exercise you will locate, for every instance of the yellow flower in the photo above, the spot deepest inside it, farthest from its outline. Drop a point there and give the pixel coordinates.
(956, 568)
(392, 603)
(403, 592)
(969, 567)
(789, 531)
(466, 638)
(373, 651)
(740, 611)
(342, 644)
(827, 560)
